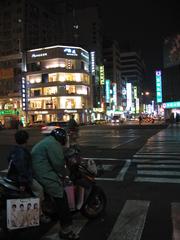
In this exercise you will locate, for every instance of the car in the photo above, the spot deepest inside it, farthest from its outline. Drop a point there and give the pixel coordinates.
(53, 125)
(37, 124)
(115, 119)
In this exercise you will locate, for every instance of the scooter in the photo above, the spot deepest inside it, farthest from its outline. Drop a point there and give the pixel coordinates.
(82, 192)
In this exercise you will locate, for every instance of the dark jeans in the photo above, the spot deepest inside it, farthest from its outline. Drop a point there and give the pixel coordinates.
(63, 211)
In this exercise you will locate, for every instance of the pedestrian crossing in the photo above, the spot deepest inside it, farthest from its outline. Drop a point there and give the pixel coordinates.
(129, 224)
(157, 168)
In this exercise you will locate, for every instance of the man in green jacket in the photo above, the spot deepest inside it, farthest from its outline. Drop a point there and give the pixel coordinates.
(48, 166)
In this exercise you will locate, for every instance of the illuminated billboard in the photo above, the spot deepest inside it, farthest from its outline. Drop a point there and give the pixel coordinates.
(107, 90)
(101, 75)
(129, 96)
(169, 105)
(158, 87)
(93, 63)
(114, 93)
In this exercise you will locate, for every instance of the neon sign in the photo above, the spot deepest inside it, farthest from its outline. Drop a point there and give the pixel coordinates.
(107, 90)
(158, 87)
(35, 55)
(70, 52)
(101, 75)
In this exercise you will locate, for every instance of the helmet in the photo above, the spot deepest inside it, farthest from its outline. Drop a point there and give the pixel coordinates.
(60, 135)
(21, 137)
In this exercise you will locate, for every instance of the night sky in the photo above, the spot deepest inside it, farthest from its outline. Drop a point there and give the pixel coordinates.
(144, 25)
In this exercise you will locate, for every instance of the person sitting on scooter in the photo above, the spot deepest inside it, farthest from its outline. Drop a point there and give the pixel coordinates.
(48, 165)
(20, 169)
(73, 130)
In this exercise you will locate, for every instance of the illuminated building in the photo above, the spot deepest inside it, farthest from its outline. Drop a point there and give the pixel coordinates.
(132, 68)
(171, 78)
(58, 84)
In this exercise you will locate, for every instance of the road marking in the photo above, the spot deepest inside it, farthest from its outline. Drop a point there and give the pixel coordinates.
(175, 213)
(156, 156)
(120, 176)
(157, 166)
(118, 145)
(4, 171)
(105, 179)
(157, 180)
(159, 153)
(130, 223)
(154, 161)
(105, 159)
(157, 173)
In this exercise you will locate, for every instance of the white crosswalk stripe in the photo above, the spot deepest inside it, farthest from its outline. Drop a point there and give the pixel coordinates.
(129, 224)
(157, 168)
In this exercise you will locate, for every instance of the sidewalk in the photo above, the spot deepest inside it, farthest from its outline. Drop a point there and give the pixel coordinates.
(165, 141)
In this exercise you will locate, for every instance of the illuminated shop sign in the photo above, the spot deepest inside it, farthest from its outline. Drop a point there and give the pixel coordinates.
(135, 92)
(70, 111)
(70, 52)
(158, 87)
(36, 55)
(137, 105)
(41, 112)
(171, 105)
(129, 96)
(101, 75)
(85, 55)
(7, 112)
(24, 94)
(107, 90)
(93, 64)
(114, 93)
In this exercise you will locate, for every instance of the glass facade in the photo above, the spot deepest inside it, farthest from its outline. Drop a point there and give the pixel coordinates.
(58, 87)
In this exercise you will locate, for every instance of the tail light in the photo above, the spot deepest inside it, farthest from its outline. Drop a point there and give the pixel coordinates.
(44, 128)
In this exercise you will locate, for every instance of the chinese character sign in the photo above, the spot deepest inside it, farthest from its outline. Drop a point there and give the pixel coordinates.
(158, 87)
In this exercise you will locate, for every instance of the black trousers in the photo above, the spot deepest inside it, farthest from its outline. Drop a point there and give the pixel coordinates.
(63, 211)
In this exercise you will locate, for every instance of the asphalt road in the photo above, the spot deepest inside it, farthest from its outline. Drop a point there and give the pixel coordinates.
(129, 202)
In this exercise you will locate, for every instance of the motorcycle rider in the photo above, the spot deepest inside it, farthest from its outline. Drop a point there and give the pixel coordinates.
(73, 130)
(48, 165)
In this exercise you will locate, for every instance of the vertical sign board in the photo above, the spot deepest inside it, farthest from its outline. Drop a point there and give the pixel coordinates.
(158, 87)
(24, 94)
(129, 96)
(101, 75)
(92, 63)
(135, 92)
(114, 92)
(107, 90)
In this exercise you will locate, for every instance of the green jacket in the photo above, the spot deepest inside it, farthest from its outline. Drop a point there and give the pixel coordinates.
(48, 165)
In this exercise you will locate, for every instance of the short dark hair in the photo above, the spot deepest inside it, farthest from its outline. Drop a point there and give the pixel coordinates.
(21, 136)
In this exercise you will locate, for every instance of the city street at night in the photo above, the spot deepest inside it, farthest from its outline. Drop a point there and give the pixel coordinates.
(141, 181)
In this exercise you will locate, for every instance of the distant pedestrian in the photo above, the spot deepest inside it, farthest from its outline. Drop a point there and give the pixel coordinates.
(140, 119)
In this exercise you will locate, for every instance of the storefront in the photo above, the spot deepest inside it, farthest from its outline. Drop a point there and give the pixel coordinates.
(59, 84)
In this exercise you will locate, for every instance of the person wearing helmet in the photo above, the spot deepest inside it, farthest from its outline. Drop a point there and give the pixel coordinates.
(48, 165)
